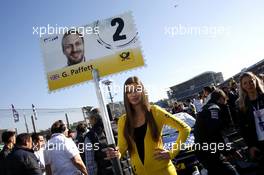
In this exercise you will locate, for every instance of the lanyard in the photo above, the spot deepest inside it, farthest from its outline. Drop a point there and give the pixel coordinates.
(256, 110)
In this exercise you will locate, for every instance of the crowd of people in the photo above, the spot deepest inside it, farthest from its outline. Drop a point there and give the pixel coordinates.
(216, 109)
(139, 133)
(62, 152)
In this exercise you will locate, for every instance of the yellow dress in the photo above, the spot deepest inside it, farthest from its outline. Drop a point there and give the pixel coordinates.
(151, 165)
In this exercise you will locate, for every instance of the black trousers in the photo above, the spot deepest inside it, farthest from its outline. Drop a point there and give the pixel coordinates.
(215, 164)
(216, 167)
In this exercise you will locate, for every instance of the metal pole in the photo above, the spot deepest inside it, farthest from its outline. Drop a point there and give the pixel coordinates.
(26, 123)
(109, 91)
(33, 123)
(67, 120)
(112, 102)
(105, 118)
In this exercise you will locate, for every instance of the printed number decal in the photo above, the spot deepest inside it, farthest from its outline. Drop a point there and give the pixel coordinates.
(120, 22)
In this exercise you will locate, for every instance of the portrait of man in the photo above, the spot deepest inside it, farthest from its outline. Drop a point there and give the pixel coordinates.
(73, 47)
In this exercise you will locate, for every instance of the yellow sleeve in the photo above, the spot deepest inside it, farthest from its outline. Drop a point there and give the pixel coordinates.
(167, 118)
(121, 141)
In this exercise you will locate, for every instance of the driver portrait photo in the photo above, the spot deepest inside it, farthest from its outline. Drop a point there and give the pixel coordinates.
(73, 47)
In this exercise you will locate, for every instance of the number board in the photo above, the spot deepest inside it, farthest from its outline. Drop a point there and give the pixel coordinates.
(110, 46)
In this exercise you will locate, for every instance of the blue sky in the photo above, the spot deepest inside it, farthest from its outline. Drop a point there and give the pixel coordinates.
(170, 59)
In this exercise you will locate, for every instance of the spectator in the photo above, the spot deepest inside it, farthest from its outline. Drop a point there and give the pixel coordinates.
(9, 139)
(225, 89)
(190, 108)
(251, 112)
(232, 99)
(71, 134)
(208, 129)
(207, 93)
(174, 108)
(98, 138)
(81, 133)
(233, 93)
(62, 155)
(38, 148)
(86, 148)
(198, 102)
(22, 159)
(178, 107)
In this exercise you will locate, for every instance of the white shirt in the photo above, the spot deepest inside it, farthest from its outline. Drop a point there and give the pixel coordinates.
(259, 122)
(58, 154)
(40, 156)
(198, 105)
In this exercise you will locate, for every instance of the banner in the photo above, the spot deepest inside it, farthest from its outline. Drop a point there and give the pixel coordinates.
(110, 46)
(15, 114)
(34, 112)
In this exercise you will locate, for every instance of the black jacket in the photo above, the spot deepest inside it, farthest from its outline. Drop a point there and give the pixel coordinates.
(209, 125)
(22, 161)
(97, 135)
(3, 158)
(247, 123)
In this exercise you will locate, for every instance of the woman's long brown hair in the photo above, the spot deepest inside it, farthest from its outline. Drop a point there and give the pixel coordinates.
(243, 94)
(129, 123)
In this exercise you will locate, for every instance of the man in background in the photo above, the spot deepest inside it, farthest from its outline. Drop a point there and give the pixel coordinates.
(62, 155)
(22, 159)
(9, 139)
(38, 144)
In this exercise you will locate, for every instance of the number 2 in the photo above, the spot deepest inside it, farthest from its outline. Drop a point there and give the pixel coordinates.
(120, 22)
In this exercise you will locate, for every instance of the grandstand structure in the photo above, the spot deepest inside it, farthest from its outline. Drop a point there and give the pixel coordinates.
(256, 68)
(193, 86)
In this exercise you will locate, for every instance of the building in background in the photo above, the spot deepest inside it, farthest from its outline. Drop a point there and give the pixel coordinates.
(257, 68)
(192, 87)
